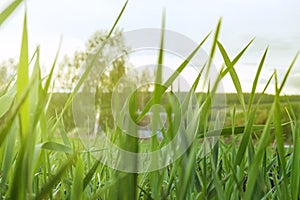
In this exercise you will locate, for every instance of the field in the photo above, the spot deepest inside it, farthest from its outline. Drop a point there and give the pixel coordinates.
(250, 151)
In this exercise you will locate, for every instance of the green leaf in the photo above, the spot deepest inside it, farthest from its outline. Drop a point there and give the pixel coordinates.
(235, 60)
(255, 166)
(88, 177)
(36, 93)
(187, 172)
(9, 154)
(90, 65)
(53, 180)
(77, 185)
(5, 128)
(53, 146)
(6, 101)
(237, 130)
(245, 140)
(254, 85)
(23, 79)
(171, 80)
(295, 171)
(288, 72)
(230, 68)
(279, 137)
(49, 79)
(9, 10)
(161, 52)
(215, 41)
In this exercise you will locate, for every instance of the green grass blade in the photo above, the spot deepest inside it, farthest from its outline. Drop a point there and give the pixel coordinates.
(36, 91)
(218, 185)
(158, 79)
(155, 180)
(182, 66)
(238, 130)
(49, 79)
(53, 146)
(265, 89)
(8, 155)
(47, 187)
(254, 85)
(90, 65)
(235, 60)
(212, 52)
(295, 166)
(245, 140)
(13, 113)
(9, 10)
(214, 45)
(255, 166)
(77, 184)
(225, 56)
(6, 101)
(171, 79)
(23, 79)
(42, 94)
(279, 137)
(88, 177)
(295, 171)
(8, 86)
(288, 72)
(231, 70)
(19, 177)
(187, 172)
(63, 134)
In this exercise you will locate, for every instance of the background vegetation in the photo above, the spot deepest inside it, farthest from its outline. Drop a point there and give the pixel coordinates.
(39, 159)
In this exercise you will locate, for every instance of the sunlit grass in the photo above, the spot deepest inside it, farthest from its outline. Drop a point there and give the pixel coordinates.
(39, 160)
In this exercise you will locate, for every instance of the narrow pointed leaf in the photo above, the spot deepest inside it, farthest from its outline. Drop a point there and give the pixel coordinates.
(9, 10)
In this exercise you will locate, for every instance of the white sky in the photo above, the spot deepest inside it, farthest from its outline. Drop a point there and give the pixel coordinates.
(274, 23)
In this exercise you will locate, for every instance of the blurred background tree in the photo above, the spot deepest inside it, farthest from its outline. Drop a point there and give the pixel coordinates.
(110, 66)
(113, 53)
(8, 70)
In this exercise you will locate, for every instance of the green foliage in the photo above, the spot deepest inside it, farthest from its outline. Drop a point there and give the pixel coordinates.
(110, 60)
(39, 159)
(9, 10)
(109, 66)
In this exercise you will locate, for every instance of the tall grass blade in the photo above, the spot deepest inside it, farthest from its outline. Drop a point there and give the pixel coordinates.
(279, 137)
(13, 113)
(233, 74)
(295, 171)
(235, 60)
(6, 101)
(90, 65)
(49, 79)
(88, 177)
(77, 185)
(9, 10)
(245, 140)
(254, 85)
(23, 79)
(47, 187)
(155, 180)
(9, 154)
(255, 166)
(171, 79)
(288, 72)
(214, 45)
(53, 146)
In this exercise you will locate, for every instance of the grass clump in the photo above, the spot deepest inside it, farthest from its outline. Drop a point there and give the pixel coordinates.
(35, 163)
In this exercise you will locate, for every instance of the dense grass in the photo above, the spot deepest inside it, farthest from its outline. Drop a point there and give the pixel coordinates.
(38, 160)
